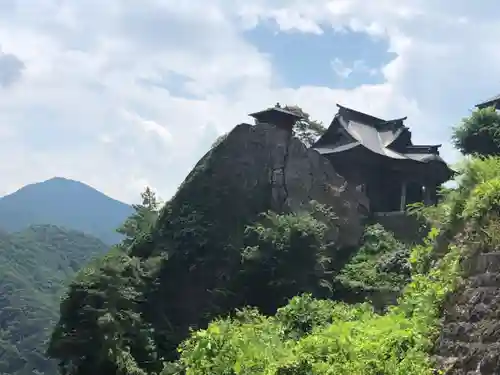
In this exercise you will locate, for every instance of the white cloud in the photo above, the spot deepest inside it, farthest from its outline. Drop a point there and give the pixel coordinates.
(87, 63)
(344, 70)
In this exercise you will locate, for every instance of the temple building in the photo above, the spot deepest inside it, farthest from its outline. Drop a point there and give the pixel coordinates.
(491, 102)
(375, 155)
(379, 157)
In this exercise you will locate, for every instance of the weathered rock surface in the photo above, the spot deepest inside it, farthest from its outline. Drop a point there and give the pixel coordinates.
(262, 166)
(199, 233)
(469, 343)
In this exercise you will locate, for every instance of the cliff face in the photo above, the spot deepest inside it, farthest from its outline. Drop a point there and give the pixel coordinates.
(253, 170)
(200, 231)
(469, 343)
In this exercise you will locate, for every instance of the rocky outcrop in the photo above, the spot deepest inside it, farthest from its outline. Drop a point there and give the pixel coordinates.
(199, 233)
(259, 168)
(469, 343)
(301, 174)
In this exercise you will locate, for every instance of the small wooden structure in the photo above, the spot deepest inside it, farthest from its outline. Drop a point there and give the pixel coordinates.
(277, 116)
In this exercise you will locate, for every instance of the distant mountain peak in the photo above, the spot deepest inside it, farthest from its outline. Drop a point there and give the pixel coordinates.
(65, 180)
(56, 178)
(67, 203)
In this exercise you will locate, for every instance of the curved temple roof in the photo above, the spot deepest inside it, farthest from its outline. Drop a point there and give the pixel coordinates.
(388, 138)
(494, 101)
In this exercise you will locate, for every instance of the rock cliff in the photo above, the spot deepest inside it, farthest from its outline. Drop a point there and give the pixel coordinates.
(254, 169)
(259, 168)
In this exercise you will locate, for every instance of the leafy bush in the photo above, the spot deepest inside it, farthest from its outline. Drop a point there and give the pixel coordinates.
(479, 133)
(484, 198)
(303, 314)
(380, 262)
(458, 204)
(284, 255)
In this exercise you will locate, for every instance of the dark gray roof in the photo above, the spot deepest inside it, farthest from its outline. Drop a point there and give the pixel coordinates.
(377, 135)
(276, 110)
(494, 100)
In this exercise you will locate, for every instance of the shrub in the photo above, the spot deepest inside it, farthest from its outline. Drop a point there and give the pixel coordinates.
(479, 133)
(380, 262)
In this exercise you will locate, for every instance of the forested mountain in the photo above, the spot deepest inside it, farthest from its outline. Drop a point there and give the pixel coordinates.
(36, 265)
(66, 203)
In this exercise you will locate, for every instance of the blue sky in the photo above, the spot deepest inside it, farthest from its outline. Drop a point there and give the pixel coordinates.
(120, 94)
(334, 58)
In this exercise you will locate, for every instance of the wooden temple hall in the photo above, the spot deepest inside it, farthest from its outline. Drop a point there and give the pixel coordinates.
(377, 156)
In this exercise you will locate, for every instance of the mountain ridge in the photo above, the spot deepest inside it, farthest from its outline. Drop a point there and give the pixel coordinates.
(66, 203)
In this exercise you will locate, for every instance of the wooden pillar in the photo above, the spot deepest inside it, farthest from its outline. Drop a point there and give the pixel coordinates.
(427, 195)
(433, 194)
(403, 196)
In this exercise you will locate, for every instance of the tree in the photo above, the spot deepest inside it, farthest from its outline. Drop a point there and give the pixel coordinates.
(286, 254)
(479, 133)
(142, 219)
(307, 130)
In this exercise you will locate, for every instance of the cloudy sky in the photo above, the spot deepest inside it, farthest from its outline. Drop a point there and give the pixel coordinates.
(123, 93)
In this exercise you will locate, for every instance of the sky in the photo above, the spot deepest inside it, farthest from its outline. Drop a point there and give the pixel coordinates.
(120, 94)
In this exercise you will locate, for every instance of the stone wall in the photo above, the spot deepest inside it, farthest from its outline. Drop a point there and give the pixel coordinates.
(469, 343)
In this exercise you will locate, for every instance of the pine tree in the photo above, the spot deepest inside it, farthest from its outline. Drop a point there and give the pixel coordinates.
(142, 219)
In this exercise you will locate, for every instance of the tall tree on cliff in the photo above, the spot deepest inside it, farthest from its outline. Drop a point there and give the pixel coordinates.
(479, 133)
(142, 219)
(307, 130)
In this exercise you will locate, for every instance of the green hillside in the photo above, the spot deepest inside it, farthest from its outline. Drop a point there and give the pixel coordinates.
(35, 266)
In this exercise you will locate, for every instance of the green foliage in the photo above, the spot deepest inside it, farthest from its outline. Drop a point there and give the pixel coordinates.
(101, 312)
(142, 219)
(307, 130)
(113, 326)
(323, 337)
(280, 256)
(475, 178)
(221, 138)
(284, 255)
(380, 263)
(35, 266)
(479, 133)
(309, 336)
(303, 314)
(484, 198)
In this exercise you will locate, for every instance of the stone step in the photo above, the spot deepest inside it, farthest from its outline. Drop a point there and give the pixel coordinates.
(474, 364)
(488, 279)
(451, 348)
(472, 313)
(488, 295)
(482, 263)
(485, 331)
